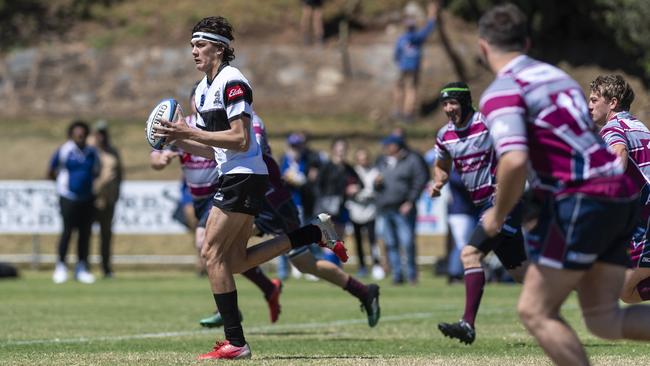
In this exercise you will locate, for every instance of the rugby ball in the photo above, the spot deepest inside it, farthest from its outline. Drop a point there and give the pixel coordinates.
(167, 109)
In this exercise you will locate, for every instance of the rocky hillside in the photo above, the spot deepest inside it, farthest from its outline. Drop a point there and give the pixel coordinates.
(124, 79)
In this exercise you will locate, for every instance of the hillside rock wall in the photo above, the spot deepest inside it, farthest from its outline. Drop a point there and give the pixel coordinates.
(72, 79)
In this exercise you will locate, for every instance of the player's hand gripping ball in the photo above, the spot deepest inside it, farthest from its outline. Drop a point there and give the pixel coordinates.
(167, 109)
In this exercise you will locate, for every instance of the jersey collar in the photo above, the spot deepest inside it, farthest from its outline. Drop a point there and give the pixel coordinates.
(221, 67)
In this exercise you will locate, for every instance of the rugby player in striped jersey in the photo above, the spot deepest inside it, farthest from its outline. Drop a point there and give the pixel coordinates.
(464, 145)
(539, 120)
(610, 100)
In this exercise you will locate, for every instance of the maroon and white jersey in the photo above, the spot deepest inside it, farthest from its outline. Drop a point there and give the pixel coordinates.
(535, 107)
(260, 134)
(623, 128)
(277, 192)
(200, 174)
(472, 154)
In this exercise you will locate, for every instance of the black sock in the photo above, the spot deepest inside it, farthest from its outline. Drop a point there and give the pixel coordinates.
(306, 235)
(257, 276)
(227, 305)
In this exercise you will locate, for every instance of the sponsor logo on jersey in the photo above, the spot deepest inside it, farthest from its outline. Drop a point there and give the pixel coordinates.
(234, 92)
(645, 260)
(217, 98)
(202, 101)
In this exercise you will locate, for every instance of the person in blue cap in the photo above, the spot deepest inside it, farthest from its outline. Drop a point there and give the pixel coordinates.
(402, 178)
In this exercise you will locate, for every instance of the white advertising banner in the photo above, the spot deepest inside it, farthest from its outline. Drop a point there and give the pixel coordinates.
(145, 207)
(432, 213)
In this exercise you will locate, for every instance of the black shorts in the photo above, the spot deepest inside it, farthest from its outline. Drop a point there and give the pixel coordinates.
(244, 193)
(508, 248)
(278, 220)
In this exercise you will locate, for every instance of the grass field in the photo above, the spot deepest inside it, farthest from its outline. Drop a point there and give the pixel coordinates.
(150, 318)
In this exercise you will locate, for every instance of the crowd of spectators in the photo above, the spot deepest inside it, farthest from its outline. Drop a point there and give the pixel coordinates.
(375, 196)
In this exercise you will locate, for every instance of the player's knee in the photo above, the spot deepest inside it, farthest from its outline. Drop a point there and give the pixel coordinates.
(605, 321)
(470, 256)
(212, 254)
(528, 316)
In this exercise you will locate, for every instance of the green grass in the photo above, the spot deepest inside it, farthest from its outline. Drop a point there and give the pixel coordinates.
(151, 319)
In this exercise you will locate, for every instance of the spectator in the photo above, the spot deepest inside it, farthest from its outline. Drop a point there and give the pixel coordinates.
(336, 181)
(312, 15)
(363, 211)
(74, 166)
(107, 191)
(407, 56)
(402, 178)
(299, 168)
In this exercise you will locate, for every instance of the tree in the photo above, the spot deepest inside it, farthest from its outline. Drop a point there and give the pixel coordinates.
(26, 20)
(611, 33)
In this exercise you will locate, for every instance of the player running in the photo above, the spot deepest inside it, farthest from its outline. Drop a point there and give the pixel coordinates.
(280, 215)
(224, 101)
(465, 144)
(609, 104)
(538, 118)
(202, 176)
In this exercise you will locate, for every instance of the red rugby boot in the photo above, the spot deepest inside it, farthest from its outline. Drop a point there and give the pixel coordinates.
(225, 350)
(274, 300)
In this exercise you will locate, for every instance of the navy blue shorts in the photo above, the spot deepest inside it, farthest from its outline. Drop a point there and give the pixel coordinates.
(277, 220)
(640, 243)
(280, 219)
(202, 210)
(575, 231)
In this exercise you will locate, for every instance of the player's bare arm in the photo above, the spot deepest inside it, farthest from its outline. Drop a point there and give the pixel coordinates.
(511, 177)
(159, 159)
(441, 171)
(620, 150)
(236, 138)
(179, 134)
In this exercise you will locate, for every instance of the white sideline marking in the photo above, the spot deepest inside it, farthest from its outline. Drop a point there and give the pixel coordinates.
(259, 329)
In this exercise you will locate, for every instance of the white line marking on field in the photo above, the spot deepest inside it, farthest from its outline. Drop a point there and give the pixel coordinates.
(259, 329)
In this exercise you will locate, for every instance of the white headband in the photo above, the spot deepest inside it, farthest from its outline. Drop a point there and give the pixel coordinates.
(211, 37)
